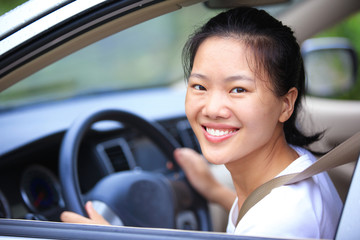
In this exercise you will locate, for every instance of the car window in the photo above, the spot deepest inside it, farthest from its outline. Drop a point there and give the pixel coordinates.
(348, 28)
(142, 56)
(146, 55)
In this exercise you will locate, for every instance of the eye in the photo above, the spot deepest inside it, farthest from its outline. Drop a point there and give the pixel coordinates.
(199, 87)
(237, 90)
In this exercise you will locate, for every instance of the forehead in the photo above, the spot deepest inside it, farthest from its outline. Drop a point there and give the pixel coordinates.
(232, 53)
(222, 51)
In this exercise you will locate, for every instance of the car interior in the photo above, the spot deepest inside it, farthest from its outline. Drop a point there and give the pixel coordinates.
(54, 153)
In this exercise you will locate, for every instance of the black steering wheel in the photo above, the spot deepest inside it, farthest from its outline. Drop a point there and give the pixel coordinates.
(134, 197)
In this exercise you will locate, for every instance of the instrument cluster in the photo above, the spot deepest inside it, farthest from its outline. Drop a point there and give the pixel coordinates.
(40, 190)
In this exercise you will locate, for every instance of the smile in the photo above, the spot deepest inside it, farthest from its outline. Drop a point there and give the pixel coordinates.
(217, 135)
(219, 132)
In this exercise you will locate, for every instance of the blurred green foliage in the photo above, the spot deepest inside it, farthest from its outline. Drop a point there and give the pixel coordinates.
(7, 5)
(350, 29)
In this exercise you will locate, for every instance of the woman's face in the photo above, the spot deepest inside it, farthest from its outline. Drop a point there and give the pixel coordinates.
(233, 114)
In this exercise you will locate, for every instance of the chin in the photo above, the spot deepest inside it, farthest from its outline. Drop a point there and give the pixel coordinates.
(215, 158)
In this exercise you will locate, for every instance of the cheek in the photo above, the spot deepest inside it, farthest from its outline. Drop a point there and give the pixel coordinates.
(259, 115)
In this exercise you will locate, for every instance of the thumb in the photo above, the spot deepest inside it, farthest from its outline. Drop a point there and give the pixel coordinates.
(183, 156)
(94, 215)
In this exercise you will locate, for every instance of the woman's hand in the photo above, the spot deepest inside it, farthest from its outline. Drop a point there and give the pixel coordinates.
(198, 173)
(94, 216)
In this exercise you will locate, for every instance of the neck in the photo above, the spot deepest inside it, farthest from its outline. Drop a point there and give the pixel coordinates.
(262, 165)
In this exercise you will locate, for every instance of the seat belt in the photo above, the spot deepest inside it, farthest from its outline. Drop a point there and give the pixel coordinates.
(346, 152)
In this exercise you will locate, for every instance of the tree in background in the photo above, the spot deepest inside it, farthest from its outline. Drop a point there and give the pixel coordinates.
(7, 5)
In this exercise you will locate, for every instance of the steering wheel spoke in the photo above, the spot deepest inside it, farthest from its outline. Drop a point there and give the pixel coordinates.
(104, 210)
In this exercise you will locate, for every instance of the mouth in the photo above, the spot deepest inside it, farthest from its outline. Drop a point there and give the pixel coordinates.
(220, 132)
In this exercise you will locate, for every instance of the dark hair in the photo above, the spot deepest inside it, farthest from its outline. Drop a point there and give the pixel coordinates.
(274, 48)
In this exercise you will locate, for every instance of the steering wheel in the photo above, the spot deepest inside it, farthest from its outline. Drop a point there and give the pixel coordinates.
(134, 197)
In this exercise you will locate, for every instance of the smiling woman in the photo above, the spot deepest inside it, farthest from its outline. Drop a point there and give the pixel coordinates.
(245, 83)
(217, 100)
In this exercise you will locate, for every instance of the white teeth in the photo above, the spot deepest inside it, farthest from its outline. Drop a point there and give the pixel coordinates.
(218, 132)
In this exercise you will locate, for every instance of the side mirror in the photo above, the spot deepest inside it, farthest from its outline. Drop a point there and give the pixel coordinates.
(330, 65)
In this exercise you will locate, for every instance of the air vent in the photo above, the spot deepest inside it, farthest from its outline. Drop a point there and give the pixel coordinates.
(117, 154)
(117, 157)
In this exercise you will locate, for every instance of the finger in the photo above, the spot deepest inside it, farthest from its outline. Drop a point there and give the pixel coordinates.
(94, 215)
(71, 217)
(183, 157)
(189, 159)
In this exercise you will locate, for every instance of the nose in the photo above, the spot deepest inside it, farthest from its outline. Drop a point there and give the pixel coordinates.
(216, 106)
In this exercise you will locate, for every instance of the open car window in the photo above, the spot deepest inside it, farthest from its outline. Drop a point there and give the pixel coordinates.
(143, 56)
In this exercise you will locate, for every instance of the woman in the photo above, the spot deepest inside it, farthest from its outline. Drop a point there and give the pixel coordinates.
(245, 83)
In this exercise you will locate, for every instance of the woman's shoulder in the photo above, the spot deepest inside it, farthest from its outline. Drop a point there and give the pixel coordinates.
(288, 211)
(308, 208)
(305, 159)
(284, 212)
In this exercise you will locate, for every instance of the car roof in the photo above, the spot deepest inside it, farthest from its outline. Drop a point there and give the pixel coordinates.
(30, 11)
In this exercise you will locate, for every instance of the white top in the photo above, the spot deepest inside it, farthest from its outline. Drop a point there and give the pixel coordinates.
(307, 209)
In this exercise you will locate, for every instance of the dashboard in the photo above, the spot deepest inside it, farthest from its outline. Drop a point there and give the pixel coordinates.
(29, 184)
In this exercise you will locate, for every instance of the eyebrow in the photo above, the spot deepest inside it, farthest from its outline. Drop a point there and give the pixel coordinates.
(197, 75)
(239, 77)
(228, 79)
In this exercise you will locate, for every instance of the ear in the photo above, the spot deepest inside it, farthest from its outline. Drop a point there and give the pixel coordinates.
(288, 102)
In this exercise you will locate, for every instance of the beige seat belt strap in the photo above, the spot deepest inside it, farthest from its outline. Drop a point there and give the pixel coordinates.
(346, 152)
